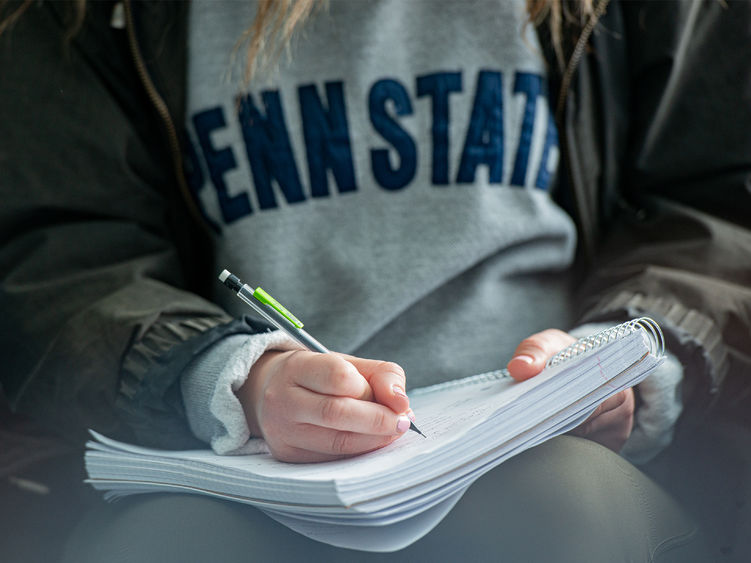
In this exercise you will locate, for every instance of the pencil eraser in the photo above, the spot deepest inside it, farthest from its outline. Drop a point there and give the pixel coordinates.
(224, 275)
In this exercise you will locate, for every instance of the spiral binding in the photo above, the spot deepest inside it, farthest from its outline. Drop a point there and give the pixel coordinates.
(655, 343)
(655, 340)
(485, 377)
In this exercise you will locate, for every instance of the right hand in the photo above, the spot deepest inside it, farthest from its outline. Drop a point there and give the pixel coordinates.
(610, 424)
(317, 407)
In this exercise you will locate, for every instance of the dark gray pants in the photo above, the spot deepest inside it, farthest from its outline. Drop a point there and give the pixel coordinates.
(566, 500)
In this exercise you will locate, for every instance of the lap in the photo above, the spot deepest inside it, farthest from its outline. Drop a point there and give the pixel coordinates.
(566, 500)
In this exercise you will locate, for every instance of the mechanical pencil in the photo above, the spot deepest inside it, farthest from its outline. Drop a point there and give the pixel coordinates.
(274, 312)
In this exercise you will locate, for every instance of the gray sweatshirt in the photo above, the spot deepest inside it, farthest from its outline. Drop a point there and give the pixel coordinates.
(388, 179)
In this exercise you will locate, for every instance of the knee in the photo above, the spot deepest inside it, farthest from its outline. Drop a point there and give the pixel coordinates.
(588, 501)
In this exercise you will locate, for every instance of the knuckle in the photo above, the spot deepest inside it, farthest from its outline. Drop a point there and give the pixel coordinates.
(341, 443)
(381, 422)
(331, 411)
(340, 374)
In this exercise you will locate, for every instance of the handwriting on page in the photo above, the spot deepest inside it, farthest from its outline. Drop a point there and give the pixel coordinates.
(442, 417)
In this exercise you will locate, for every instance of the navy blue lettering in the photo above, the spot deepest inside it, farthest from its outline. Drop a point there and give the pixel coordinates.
(551, 140)
(484, 141)
(269, 150)
(327, 141)
(385, 174)
(220, 161)
(438, 86)
(531, 86)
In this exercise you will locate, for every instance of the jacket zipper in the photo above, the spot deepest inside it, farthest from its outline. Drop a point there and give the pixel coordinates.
(163, 111)
(588, 242)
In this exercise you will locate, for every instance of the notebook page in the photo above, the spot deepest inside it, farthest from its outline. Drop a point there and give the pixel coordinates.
(445, 413)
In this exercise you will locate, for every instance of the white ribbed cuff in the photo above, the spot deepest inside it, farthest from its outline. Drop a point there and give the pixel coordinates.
(208, 386)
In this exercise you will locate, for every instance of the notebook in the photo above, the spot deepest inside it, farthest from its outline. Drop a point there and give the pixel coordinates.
(387, 499)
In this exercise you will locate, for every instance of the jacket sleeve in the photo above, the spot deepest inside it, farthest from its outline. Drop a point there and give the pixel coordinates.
(677, 244)
(100, 310)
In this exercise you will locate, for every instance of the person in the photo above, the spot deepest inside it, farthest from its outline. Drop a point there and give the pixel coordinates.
(411, 181)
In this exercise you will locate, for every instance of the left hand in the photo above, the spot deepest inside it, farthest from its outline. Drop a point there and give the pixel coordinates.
(610, 424)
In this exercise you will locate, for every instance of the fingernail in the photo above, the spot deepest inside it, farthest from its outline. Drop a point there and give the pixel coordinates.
(403, 424)
(524, 358)
(411, 415)
(398, 390)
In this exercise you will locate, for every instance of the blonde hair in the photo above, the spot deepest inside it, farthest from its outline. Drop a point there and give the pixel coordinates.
(272, 29)
(560, 15)
(276, 21)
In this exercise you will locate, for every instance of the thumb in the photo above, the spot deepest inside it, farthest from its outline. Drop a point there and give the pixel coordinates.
(387, 381)
(532, 353)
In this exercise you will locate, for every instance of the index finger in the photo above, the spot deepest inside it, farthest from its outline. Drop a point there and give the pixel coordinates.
(329, 374)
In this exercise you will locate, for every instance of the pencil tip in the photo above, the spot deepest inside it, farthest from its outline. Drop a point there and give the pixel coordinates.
(416, 429)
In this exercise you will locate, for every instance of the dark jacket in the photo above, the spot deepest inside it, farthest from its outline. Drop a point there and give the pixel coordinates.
(104, 260)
